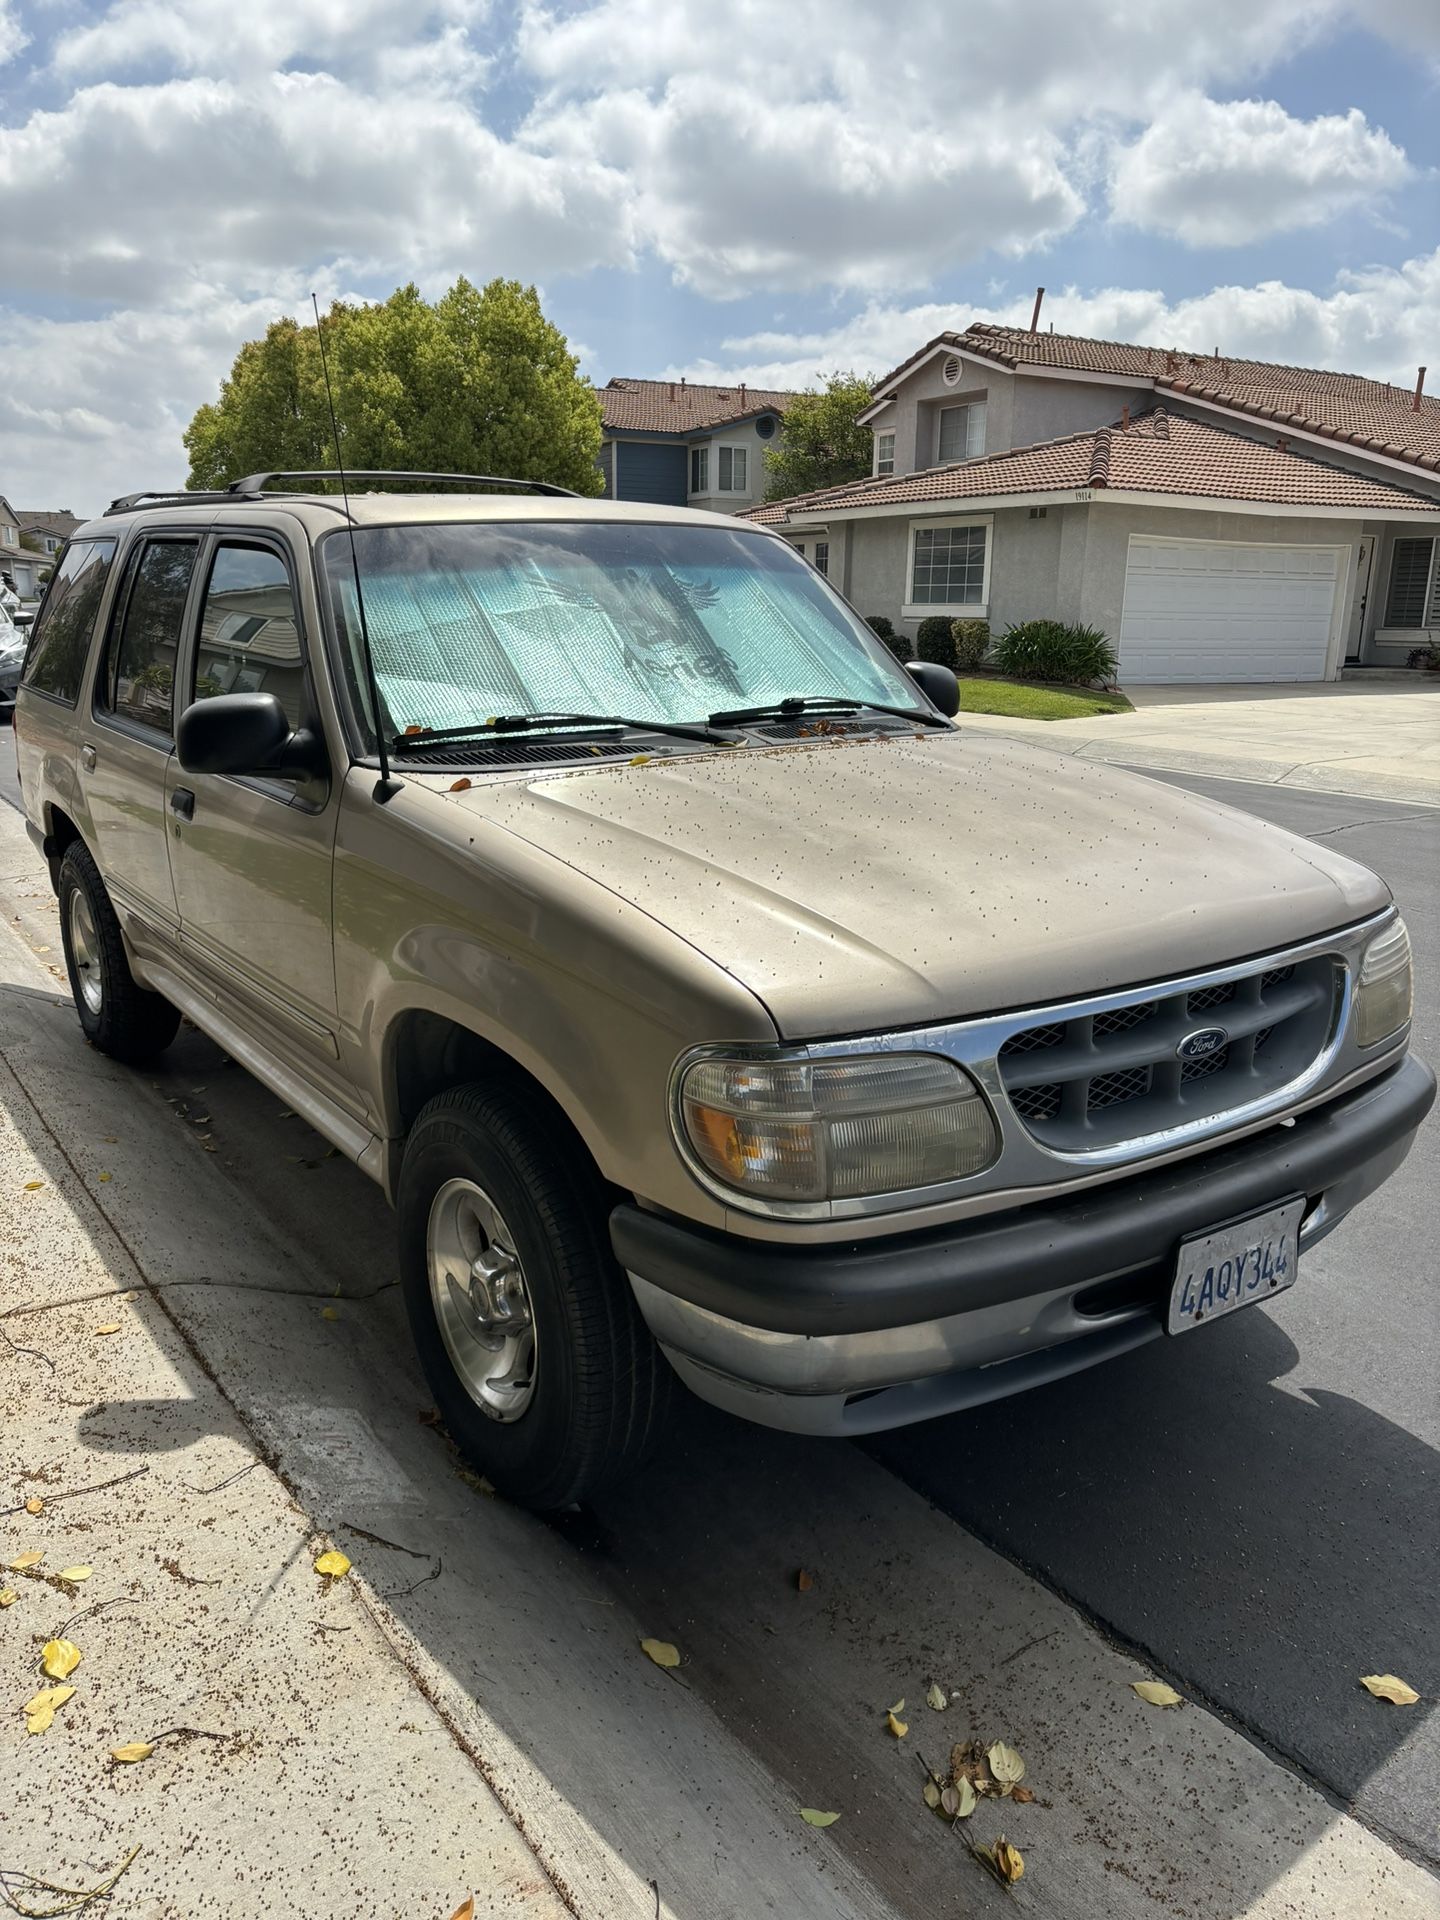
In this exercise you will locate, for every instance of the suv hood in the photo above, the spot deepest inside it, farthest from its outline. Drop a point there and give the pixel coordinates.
(899, 881)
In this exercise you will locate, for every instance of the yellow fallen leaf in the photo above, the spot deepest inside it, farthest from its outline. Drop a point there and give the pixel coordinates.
(75, 1574)
(39, 1709)
(640, 760)
(966, 1798)
(896, 1726)
(1157, 1693)
(1006, 1764)
(23, 1561)
(34, 1504)
(8, 1597)
(33, 1186)
(899, 1707)
(134, 1750)
(59, 1658)
(661, 1652)
(1005, 1860)
(334, 1565)
(932, 1794)
(465, 1910)
(329, 1313)
(104, 1176)
(1388, 1686)
(814, 1818)
(111, 1326)
(935, 1697)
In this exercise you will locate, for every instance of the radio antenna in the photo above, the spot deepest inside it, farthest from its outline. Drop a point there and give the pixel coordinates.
(385, 787)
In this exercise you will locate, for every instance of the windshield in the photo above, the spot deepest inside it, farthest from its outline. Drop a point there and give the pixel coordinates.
(659, 622)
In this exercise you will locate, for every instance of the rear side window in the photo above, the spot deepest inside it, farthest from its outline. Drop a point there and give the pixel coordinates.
(249, 642)
(56, 661)
(141, 675)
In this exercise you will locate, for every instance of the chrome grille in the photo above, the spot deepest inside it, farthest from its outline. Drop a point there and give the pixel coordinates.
(1099, 1079)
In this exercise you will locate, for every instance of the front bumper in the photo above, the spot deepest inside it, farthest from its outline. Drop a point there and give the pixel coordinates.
(852, 1338)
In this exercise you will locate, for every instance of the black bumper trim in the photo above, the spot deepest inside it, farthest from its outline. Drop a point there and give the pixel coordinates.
(863, 1286)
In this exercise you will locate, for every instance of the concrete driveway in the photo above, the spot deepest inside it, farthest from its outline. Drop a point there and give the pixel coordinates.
(1379, 739)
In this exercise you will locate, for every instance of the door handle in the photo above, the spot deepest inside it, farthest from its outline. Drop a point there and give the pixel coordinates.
(182, 801)
(87, 759)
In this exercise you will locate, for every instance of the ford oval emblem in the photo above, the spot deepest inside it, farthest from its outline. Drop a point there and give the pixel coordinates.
(1202, 1043)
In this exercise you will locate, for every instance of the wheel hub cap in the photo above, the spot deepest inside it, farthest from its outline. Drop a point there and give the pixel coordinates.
(482, 1304)
(85, 951)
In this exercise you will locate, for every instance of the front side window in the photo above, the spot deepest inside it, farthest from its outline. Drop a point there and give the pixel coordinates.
(140, 682)
(733, 462)
(699, 470)
(947, 566)
(962, 432)
(1413, 599)
(884, 453)
(56, 660)
(249, 641)
(655, 622)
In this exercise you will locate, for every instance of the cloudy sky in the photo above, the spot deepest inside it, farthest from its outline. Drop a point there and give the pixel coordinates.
(758, 189)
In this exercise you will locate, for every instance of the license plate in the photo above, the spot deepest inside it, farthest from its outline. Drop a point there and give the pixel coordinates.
(1235, 1266)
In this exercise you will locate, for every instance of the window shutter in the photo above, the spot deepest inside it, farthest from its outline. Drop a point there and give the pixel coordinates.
(1409, 576)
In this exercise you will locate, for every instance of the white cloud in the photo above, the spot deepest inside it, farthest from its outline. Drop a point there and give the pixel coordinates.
(1229, 173)
(13, 37)
(1377, 321)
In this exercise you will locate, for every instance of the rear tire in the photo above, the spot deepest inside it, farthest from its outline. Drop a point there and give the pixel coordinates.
(119, 1016)
(540, 1363)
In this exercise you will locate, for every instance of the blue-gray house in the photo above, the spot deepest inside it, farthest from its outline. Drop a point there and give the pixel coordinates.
(682, 445)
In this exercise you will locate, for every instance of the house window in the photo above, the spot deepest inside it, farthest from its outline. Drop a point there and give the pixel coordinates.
(822, 556)
(962, 432)
(1413, 599)
(949, 564)
(884, 453)
(699, 470)
(732, 463)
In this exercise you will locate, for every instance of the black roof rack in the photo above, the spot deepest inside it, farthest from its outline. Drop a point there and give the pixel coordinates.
(256, 486)
(258, 482)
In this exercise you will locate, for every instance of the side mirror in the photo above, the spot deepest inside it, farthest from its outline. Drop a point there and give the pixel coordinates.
(937, 683)
(245, 733)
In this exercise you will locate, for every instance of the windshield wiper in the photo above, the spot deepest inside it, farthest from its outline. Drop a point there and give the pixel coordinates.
(798, 703)
(525, 722)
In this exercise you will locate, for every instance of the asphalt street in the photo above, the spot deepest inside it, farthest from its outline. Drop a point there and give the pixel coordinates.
(1254, 1508)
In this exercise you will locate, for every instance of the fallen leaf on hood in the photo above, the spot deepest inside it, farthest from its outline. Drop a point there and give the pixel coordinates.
(39, 1710)
(329, 1313)
(640, 760)
(899, 1707)
(661, 1652)
(24, 1561)
(804, 1581)
(1003, 1860)
(896, 1726)
(33, 1186)
(462, 785)
(932, 1795)
(936, 1697)
(133, 1751)
(1023, 1795)
(1005, 1763)
(104, 1176)
(1388, 1686)
(110, 1326)
(59, 1658)
(333, 1564)
(34, 1504)
(75, 1574)
(8, 1597)
(960, 1801)
(1157, 1694)
(465, 1910)
(814, 1818)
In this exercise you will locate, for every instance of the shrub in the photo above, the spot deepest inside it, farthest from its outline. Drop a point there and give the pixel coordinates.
(972, 641)
(1426, 658)
(1052, 650)
(884, 630)
(933, 641)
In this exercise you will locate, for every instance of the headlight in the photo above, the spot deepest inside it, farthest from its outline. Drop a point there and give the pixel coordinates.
(1382, 1000)
(837, 1129)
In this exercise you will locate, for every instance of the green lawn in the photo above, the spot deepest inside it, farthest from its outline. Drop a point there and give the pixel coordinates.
(1029, 700)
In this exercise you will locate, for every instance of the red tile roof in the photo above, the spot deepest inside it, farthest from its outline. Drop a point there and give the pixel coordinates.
(675, 406)
(1346, 407)
(1157, 453)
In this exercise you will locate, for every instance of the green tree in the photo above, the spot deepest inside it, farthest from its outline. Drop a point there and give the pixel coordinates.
(478, 381)
(823, 445)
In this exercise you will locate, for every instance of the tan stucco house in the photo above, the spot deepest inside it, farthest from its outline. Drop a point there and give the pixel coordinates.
(683, 445)
(1218, 519)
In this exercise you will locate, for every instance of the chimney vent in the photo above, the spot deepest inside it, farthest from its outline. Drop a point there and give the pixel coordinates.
(1035, 316)
(1419, 389)
(1125, 419)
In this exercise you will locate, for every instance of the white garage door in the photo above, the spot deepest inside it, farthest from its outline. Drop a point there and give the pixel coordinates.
(1210, 610)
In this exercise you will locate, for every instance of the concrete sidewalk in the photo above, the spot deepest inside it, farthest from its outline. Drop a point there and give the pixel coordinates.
(1378, 741)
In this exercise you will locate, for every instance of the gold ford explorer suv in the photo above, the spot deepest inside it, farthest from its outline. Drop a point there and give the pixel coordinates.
(708, 1004)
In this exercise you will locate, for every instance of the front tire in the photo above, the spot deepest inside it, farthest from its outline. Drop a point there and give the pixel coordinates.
(119, 1016)
(539, 1361)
